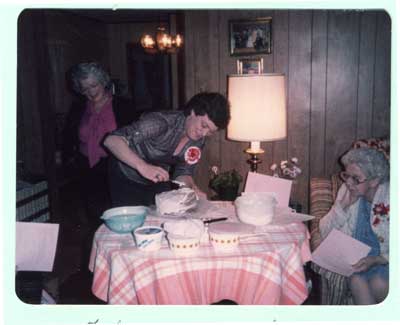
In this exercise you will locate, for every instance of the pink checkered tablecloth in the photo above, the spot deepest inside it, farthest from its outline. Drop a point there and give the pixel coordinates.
(264, 270)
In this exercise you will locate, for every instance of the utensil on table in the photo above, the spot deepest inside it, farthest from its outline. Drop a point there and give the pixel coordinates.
(208, 221)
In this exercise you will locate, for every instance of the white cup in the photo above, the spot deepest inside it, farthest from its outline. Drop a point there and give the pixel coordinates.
(148, 238)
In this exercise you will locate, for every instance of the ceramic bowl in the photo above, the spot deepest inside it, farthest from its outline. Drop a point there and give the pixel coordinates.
(183, 246)
(124, 220)
(148, 238)
(225, 236)
(224, 242)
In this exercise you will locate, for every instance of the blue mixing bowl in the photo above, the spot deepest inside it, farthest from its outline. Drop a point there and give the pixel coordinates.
(124, 220)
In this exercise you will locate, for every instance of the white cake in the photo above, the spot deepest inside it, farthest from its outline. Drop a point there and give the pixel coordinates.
(176, 201)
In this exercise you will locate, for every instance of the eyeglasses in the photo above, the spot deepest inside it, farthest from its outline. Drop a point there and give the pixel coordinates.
(354, 179)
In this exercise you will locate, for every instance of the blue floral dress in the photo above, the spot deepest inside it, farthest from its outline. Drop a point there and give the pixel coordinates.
(364, 233)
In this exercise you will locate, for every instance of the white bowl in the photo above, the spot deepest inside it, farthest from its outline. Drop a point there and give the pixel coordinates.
(183, 246)
(148, 238)
(224, 236)
(224, 242)
(254, 210)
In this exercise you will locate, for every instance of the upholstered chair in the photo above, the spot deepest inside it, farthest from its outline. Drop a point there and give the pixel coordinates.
(323, 191)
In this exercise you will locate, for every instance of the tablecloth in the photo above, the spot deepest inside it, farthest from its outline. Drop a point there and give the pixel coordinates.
(265, 269)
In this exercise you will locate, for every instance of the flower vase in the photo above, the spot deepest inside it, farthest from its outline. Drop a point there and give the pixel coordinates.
(292, 202)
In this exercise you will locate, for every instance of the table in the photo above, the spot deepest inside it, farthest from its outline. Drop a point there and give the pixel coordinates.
(265, 270)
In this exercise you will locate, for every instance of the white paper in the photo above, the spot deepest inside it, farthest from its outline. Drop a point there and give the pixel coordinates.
(263, 183)
(338, 252)
(36, 245)
(287, 216)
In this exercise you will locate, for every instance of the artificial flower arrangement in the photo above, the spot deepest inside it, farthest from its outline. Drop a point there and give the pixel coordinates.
(287, 169)
(226, 183)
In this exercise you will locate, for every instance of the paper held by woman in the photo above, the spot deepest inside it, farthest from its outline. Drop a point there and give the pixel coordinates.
(338, 252)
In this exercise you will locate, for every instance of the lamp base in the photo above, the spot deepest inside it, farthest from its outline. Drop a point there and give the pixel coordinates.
(254, 160)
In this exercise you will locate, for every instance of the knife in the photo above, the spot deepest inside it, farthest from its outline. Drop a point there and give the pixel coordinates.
(206, 222)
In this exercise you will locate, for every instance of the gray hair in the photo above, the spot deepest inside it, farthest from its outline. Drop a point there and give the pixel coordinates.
(372, 162)
(84, 70)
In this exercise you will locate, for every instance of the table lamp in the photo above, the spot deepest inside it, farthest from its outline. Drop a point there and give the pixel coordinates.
(258, 111)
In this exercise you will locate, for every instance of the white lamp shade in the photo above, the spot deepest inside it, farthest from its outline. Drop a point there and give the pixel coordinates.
(258, 107)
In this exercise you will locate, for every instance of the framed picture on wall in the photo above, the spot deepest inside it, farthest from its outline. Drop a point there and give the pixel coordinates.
(247, 37)
(250, 66)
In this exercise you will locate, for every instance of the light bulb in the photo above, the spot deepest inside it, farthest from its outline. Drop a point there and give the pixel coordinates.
(147, 41)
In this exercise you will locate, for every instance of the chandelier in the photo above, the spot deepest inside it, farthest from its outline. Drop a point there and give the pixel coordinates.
(163, 42)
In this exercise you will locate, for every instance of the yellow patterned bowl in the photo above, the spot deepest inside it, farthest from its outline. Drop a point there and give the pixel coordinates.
(183, 246)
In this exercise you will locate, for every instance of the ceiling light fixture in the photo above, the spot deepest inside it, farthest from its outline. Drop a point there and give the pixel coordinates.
(163, 42)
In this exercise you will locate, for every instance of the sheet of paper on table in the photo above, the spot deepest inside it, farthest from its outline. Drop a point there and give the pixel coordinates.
(263, 183)
(36, 245)
(287, 215)
(338, 252)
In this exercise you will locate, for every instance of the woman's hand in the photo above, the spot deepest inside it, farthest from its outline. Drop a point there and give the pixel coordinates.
(348, 199)
(153, 173)
(120, 148)
(188, 180)
(367, 262)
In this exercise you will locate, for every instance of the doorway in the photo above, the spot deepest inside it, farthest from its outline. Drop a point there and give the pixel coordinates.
(149, 79)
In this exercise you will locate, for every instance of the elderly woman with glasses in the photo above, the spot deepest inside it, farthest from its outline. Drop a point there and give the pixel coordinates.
(361, 210)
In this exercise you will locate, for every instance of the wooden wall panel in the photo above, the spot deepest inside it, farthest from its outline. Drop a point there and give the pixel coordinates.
(381, 105)
(341, 118)
(366, 74)
(299, 81)
(318, 94)
(189, 54)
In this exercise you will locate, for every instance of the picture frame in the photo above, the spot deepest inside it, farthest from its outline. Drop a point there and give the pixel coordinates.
(250, 66)
(248, 37)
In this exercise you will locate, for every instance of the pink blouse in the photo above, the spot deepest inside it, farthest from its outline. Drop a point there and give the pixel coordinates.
(92, 129)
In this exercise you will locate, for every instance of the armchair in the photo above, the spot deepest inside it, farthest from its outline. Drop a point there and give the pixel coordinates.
(323, 191)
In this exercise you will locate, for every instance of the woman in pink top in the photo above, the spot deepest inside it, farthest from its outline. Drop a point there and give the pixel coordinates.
(97, 113)
(91, 120)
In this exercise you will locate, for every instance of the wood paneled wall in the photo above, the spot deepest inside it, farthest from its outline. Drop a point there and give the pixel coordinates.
(337, 67)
